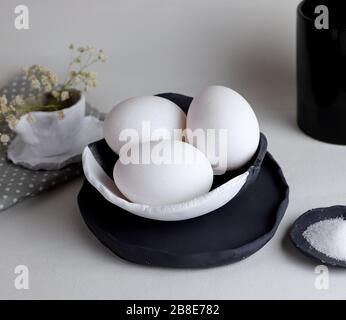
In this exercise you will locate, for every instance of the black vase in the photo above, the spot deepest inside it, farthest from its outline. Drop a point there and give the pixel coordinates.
(321, 70)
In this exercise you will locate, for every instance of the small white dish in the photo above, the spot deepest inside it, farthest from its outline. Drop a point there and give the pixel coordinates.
(20, 152)
(50, 134)
(95, 163)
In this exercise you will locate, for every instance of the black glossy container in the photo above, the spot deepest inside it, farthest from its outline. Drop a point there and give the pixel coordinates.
(321, 72)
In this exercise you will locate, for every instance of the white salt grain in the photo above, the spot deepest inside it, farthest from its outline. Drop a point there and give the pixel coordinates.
(328, 237)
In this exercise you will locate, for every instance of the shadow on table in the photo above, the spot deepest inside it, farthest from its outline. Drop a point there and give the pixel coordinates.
(265, 73)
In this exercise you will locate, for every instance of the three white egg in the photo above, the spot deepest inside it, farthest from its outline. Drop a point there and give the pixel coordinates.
(189, 173)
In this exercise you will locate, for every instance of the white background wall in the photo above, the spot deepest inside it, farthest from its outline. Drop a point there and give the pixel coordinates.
(161, 45)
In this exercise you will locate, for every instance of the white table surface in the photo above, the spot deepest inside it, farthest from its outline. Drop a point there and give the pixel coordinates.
(244, 45)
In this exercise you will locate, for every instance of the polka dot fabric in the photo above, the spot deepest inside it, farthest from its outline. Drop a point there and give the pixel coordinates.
(18, 183)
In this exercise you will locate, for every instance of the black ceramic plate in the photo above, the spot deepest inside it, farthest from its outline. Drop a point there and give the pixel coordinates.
(309, 218)
(229, 234)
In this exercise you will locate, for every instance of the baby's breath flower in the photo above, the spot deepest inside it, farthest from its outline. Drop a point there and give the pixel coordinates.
(47, 88)
(90, 83)
(102, 56)
(77, 60)
(19, 100)
(89, 49)
(73, 74)
(55, 94)
(11, 121)
(4, 139)
(71, 46)
(40, 69)
(3, 100)
(3, 108)
(12, 124)
(64, 95)
(35, 84)
(44, 79)
(77, 79)
(53, 78)
(90, 75)
(25, 71)
(81, 49)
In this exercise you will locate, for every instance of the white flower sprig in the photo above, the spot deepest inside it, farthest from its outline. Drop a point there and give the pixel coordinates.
(8, 114)
(47, 94)
(78, 75)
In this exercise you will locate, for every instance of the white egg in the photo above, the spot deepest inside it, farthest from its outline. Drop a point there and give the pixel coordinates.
(151, 118)
(163, 173)
(225, 110)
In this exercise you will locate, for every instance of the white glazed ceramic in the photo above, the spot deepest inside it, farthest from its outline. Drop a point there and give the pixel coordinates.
(48, 135)
(182, 211)
(21, 153)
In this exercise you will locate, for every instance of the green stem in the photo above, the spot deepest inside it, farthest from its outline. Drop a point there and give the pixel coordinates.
(87, 65)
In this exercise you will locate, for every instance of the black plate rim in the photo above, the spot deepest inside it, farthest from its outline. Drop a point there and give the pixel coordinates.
(308, 218)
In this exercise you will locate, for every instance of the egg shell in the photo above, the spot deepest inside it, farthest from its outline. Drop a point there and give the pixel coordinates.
(177, 173)
(132, 113)
(218, 107)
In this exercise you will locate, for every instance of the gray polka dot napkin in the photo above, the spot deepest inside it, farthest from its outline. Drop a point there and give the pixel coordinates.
(18, 183)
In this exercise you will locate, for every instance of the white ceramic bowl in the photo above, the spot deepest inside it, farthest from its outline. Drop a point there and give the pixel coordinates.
(48, 135)
(98, 162)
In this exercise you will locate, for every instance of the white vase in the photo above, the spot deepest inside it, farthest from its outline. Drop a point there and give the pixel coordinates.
(50, 134)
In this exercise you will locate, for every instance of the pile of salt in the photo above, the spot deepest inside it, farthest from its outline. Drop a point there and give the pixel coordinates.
(328, 237)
